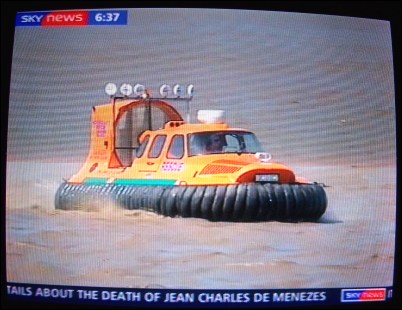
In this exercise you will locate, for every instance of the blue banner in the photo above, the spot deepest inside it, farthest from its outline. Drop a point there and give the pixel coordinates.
(180, 298)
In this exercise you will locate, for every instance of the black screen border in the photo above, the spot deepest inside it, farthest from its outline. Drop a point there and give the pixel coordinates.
(381, 10)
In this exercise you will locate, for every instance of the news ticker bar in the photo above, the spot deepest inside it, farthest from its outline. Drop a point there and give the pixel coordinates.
(183, 298)
(76, 18)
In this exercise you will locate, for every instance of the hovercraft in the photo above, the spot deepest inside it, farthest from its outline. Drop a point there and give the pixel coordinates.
(143, 155)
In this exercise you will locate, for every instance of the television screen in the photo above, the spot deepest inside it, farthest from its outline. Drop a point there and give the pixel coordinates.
(200, 157)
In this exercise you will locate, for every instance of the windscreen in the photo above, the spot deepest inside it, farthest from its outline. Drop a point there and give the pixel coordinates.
(221, 142)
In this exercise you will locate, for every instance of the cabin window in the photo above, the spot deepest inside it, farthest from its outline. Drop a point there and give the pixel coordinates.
(176, 148)
(142, 147)
(157, 146)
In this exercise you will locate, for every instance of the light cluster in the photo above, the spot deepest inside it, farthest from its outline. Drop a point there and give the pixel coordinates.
(139, 90)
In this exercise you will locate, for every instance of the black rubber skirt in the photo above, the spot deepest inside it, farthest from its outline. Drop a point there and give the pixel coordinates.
(236, 203)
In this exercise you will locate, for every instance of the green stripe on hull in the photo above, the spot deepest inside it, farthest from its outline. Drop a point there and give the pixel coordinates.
(95, 181)
(148, 182)
(144, 182)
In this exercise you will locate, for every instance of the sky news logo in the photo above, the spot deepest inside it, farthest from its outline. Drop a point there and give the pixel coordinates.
(71, 18)
(359, 295)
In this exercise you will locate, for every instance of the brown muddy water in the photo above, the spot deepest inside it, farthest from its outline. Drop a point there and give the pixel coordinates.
(103, 245)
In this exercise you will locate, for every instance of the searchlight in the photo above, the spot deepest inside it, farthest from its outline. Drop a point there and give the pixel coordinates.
(178, 90)
(126, 89)
(139, 90)
(165, 90)
(110, 89)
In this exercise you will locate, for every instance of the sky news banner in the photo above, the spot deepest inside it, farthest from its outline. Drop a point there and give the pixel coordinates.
(72, 18)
